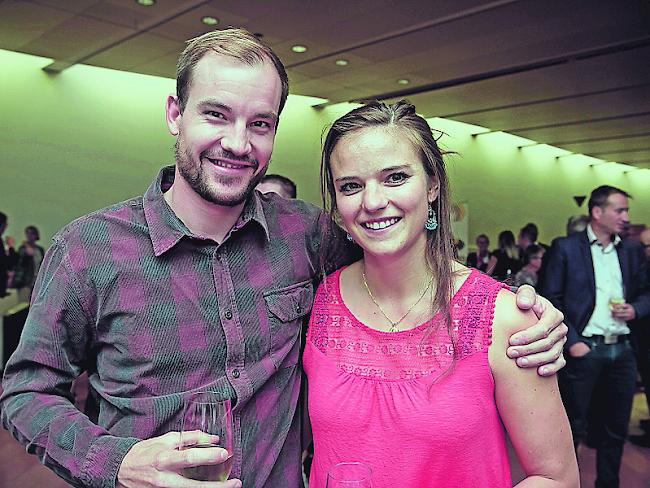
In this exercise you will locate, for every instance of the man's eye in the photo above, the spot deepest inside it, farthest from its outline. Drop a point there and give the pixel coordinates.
(215, 114)
(397, 177)
(261, 123)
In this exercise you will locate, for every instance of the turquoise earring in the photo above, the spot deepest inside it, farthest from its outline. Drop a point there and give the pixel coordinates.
(432, 222)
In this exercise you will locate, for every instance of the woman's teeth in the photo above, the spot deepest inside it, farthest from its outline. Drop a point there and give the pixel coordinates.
(382, 224)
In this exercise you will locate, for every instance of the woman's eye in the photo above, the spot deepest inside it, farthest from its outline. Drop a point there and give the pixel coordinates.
(397, 177)
(349, 187)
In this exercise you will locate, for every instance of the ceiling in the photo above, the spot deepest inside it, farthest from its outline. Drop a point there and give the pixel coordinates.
(574, 74)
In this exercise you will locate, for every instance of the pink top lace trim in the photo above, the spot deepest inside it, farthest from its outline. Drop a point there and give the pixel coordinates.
(363, 351)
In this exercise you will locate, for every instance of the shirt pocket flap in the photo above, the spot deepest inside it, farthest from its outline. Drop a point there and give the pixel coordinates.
(290, 303)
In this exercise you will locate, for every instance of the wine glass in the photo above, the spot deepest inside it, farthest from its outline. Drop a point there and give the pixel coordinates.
(349, 475)
(211, 414)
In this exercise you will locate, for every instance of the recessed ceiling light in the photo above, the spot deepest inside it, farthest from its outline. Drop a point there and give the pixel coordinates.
(145, 3)
(209, 20)
(403, 81)
(342, 62)
(299, 48)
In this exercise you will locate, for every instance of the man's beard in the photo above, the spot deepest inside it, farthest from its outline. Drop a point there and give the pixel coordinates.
(196, 177)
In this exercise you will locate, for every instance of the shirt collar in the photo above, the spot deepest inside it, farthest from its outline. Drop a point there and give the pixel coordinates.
(591, 236)
(166, 229)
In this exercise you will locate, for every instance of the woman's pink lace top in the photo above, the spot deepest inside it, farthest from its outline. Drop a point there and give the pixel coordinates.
(399, 402)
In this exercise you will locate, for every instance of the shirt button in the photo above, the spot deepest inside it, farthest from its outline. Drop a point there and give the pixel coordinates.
(298, 309)
(228, 314)
(235, 373)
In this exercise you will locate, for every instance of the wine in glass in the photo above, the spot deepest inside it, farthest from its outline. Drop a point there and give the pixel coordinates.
(349, 475)
(209, 413)
(614, 301)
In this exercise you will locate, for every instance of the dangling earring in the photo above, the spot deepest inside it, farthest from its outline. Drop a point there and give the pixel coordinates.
(431, 223)
(349, 237)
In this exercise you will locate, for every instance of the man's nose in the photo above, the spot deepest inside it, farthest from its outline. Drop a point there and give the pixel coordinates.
(237, 140)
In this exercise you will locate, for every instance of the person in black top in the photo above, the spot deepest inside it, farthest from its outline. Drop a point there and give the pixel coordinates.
(481, 258)
(8, 256)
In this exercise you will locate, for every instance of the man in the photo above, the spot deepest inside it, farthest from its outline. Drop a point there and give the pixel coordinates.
(599, 281)
(201, 283)
(8, 256)
(279, 184)
(641, 331)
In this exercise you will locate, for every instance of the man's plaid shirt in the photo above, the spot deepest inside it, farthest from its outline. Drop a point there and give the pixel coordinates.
(153, 312)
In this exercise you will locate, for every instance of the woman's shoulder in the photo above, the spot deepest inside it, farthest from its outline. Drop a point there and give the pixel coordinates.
(508, 318)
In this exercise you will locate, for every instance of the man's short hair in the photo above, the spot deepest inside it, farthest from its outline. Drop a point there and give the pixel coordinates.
(236, 43)
(529, 230)
(287, 185)
(599, 196)
(576, 223)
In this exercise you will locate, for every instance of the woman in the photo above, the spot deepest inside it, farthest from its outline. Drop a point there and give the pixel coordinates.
(528, 275)
(400, 375)
(481, 258)
(30, 256)
(504, 262)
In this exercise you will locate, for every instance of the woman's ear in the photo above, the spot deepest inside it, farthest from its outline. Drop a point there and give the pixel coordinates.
(434, 189)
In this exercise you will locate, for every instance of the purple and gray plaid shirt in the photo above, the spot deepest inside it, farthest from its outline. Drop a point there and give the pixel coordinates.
(153, 312)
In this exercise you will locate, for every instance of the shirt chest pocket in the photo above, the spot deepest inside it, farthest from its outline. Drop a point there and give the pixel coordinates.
(287, 308)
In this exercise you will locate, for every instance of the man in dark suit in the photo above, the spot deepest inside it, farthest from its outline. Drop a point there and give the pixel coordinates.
(600, 283)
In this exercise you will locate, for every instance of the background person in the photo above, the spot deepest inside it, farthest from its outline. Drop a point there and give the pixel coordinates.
(599, 281)
(641, 331)
(279, 184)
(30, 256)
(504, 262)
(527, 275)
(481, 257)
(8, 256)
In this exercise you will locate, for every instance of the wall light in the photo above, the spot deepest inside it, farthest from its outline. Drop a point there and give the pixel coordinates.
(145, 3)
(342, 62)
(299, 48)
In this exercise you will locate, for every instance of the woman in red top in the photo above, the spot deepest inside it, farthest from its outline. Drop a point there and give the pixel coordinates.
(406, 350)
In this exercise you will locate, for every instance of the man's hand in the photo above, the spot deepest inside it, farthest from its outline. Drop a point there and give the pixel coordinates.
(623, 311)
(579, 349)
(541, 344)
(10, 241)
(158, 463)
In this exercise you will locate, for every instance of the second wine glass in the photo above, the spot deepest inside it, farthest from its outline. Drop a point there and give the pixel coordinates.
(349, 475)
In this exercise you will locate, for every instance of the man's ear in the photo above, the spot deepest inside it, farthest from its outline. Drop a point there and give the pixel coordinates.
(596, 213)
(173, 115)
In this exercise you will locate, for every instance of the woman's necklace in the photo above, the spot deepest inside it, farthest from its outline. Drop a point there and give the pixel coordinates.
(393, 324)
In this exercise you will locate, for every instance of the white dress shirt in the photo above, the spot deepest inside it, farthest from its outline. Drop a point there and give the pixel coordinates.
(609, 285)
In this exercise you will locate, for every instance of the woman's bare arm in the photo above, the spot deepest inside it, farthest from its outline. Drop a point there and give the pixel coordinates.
(530, 407)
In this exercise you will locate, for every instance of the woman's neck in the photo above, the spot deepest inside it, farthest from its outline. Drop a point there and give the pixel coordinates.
(397, 277)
